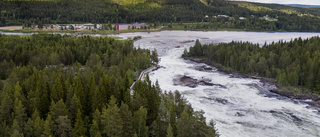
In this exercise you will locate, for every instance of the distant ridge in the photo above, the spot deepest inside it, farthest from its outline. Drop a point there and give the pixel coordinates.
(303, 6)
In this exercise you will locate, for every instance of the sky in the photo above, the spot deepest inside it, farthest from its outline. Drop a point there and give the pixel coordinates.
(303, 2)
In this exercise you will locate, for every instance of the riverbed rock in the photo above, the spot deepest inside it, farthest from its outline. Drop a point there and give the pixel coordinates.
(191, 82)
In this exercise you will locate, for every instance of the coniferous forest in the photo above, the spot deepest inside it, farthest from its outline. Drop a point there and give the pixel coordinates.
(295, 63)
(63, 86)
(256, 17)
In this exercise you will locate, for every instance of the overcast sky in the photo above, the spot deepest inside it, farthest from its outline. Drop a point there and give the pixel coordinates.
(304, 2)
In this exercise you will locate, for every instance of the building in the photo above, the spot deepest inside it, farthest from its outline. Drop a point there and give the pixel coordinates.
(121, 26)
(223, 16)
(241, 18)
(138, 26)
(88, 26)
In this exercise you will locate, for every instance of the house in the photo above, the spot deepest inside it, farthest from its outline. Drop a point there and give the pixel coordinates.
(121, 26)
(88, 26)
(241, 18)
(223, 16)
(137, 26)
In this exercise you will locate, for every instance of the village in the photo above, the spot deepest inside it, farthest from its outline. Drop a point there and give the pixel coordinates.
(80, 27)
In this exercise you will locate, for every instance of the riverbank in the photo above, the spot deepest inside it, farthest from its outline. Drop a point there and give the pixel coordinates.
(287, 91)
(85, 31)
(173, 27)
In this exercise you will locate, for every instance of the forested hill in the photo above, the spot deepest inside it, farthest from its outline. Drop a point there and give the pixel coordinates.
(280, 18)
(295, 63)
(64, 86)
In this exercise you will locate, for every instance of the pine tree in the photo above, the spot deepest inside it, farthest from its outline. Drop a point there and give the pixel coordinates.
(97, 117)
(96, 101)
(91, 86)
(57, 92)
(4, 130)
(184, 127)
(94, 129)
(34, 125)
(19, 112)
(48, 127)
(28, 128)
(6, 109)
(154, 129)
(111, 119)
(63, 127)
(126, 117)
(79, 91)
(38, 126)
(139, 122)
(169, 131)
(105, 89)
(15, 126)
(18, 93)
(16, 133)
(79, 129)
(58, 109)
(74, 105)
(43, 91)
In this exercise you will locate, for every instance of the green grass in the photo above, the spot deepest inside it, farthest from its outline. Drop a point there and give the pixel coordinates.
(268, 19)
(251, 6)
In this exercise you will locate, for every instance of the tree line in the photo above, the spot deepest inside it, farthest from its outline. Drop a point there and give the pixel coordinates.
(53, 85)
(42, 13)
(294, 63)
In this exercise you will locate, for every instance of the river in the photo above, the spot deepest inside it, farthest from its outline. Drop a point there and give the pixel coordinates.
(241, 107)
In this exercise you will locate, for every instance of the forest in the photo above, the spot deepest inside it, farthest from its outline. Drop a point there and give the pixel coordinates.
(161, 12)
(295, 63)
(64, 86)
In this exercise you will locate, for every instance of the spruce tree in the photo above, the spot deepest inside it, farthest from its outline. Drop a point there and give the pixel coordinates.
(58, 109)
(6, 109)
(94, 129)
(19, 112)
(79, 129)
(111, 119)
(169, 131)
(80, 92)
(139, 122)
(126, 117)
(63, 127)
(57, 92)
(74, 105)
(184, 127)
(15, 126)
(48, 127)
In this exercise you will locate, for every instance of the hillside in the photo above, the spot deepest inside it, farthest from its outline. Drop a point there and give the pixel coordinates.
(280, 17)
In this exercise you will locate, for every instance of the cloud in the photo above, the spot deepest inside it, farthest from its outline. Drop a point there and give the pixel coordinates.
(304, 2)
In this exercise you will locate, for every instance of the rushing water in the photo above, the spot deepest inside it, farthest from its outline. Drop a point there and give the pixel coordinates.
(239, 106)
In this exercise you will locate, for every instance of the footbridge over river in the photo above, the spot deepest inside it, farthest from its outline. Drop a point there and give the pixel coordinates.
(142, 75)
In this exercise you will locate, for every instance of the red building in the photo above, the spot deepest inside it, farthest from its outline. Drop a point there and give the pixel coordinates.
(121, 26)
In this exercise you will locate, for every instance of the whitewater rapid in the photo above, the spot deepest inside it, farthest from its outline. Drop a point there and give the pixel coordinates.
(241, 107)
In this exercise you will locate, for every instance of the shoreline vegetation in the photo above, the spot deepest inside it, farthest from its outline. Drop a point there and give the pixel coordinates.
(293, 67)
(112, 32)
(287, 91)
